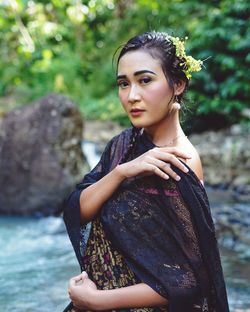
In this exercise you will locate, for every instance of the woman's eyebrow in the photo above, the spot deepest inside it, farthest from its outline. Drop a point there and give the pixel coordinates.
(137, 73)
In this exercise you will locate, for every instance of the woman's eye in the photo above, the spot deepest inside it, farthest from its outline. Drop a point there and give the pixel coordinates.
(145, 80)
(122, 84)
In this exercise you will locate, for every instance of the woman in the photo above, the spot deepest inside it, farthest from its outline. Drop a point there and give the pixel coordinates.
(152, 244)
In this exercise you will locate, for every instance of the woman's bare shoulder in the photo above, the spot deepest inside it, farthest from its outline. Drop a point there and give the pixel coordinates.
(194, 162)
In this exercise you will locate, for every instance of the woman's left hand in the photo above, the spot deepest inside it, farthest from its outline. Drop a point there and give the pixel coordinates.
(82, 291)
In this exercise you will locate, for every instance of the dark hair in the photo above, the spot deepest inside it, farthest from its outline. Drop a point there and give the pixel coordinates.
(159, 46)
(132, 143)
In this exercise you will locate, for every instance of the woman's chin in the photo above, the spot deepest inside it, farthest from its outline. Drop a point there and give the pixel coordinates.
(137, 123)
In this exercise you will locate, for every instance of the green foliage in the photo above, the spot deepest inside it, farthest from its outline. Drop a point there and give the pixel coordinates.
(225, 84)
(67, 46)
(106, 108)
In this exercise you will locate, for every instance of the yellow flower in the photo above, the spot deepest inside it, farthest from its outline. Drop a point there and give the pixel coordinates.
(190, 64)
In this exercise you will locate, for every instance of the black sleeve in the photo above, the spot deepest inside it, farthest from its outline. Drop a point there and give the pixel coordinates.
(71, 207)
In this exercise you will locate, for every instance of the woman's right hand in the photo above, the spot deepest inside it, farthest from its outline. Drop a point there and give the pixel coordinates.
(155, 161)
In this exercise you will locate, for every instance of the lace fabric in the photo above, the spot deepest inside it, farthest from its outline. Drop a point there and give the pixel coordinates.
(163, 230)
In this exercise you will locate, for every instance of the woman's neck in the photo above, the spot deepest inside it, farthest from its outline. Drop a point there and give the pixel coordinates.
(167, 132)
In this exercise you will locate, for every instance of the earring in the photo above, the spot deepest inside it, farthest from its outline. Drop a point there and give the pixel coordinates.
(176, 104)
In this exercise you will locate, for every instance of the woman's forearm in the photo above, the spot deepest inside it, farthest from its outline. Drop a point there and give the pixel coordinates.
(135, 296)
(151, 162)
(94, 196)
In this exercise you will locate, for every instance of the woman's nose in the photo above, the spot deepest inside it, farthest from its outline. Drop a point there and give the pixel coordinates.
(134, 94)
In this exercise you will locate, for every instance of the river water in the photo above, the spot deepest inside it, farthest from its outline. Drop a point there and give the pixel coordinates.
(37, 260)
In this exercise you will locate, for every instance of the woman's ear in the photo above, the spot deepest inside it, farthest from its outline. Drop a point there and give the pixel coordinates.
(179, 87)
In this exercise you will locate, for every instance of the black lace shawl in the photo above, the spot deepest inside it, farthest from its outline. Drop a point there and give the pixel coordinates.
(164, 230)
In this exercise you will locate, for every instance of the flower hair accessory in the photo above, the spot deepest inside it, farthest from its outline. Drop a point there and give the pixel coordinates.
(190, 64)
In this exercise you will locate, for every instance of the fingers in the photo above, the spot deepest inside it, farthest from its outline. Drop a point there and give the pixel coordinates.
(154, 169)
(176, 162)
(169, 171)
(156, 161)
(76, 279)
(84, 275)
(176, 151)
(163, 161)
(72, 282)
(162, 169)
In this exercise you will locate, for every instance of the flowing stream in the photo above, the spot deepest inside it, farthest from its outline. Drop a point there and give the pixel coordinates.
(37, 260)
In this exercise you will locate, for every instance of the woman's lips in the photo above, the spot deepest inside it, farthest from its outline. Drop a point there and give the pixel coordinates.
(135, 112)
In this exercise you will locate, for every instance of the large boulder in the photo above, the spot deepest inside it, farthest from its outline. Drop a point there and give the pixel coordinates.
(40, 156)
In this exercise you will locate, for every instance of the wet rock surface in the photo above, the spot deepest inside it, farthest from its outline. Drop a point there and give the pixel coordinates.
(40, 156)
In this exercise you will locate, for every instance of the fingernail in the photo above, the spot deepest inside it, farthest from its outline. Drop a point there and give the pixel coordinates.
(186, 169)
(178, 178)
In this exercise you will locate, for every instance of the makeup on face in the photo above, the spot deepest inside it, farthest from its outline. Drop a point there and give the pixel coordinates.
(137, 73)
(144, 90)
(122, 80)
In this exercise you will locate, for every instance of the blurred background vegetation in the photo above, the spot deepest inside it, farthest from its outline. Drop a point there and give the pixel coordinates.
(66, 46)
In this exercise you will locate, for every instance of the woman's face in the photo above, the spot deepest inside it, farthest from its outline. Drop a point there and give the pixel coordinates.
(143, 89)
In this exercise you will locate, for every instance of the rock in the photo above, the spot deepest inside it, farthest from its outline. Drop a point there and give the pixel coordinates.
(232, 223)
(101, 131)
(241, 193)
(225, 157)
(40, 156)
